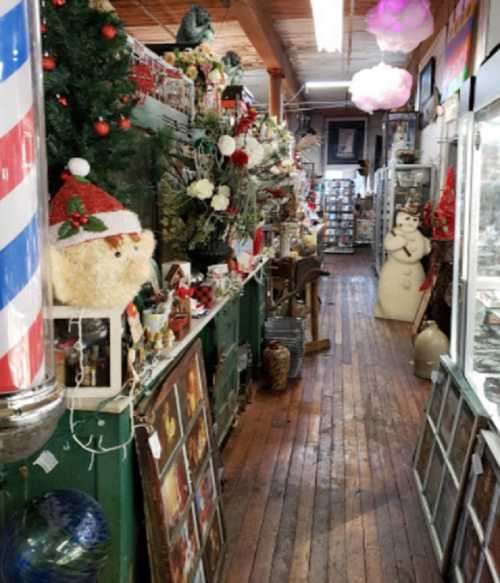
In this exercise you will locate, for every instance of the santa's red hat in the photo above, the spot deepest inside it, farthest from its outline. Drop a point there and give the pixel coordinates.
(80, 211)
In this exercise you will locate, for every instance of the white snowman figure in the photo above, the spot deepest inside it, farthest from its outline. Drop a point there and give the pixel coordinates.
(402, 275)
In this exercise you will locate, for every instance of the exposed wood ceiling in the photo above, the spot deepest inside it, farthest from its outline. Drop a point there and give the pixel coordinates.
(157, 21)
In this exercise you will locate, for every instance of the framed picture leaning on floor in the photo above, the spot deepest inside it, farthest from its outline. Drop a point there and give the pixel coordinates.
(182, 502)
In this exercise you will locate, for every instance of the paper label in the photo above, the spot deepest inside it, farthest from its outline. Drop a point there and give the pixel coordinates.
(155, 445)
(477, 464)
(436, 376)
(47, 461)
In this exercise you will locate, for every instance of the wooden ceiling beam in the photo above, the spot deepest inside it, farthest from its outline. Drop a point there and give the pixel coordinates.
(267, 42)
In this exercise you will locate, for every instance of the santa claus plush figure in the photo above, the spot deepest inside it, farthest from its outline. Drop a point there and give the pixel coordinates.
(100, 255)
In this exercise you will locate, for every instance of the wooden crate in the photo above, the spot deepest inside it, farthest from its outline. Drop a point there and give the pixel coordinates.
(452, 420)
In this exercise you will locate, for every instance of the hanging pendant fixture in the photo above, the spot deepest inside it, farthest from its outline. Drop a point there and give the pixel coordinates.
(400, 25)
(381, 87)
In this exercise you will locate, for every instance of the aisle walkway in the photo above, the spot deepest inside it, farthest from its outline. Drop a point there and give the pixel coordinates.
(318, 480)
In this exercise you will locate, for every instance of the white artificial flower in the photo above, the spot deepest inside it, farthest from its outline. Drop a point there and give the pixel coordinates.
(251, 144)
(215, 77)
(227, 145)
(224, 191)
(220, 202)
(269, 149)
(201, 189)
(255, 155)
(275, 170)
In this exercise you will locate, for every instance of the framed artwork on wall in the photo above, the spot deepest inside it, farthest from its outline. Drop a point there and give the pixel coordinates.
(182, 501)
(426, 82)
(346, 142)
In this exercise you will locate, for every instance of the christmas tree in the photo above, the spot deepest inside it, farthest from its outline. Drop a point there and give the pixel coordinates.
(89, 95)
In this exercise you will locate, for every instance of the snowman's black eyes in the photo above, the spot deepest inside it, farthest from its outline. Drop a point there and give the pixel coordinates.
(407, 219)
(118, 254)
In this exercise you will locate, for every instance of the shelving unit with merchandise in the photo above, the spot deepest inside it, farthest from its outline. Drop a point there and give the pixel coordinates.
(339, 216)
(397, 186)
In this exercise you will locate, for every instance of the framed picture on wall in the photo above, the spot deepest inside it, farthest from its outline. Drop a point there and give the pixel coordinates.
(426, 83)
(346, 142)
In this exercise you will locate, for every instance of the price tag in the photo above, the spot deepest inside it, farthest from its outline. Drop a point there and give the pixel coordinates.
(436, 376)
(155, 445)
(477, 464)
(47, 461)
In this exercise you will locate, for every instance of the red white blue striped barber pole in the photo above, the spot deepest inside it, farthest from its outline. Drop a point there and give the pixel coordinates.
(21, 308)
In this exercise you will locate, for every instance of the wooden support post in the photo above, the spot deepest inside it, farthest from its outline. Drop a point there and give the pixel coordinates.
(276, 93)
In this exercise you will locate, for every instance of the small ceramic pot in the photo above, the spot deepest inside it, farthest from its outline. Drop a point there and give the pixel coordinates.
(276, 365)
(430, 344)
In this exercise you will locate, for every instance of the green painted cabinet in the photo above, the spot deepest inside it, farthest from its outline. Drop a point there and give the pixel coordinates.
(253, 315)
(111, 479)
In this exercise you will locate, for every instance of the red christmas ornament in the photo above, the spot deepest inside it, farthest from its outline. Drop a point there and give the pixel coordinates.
(108, 31)
(142, 76)
(124, 99)
(124, 123)
(43, 27)
(58, 3)
(48, 62)
(239, 158)
(62, 100)
(101, 127)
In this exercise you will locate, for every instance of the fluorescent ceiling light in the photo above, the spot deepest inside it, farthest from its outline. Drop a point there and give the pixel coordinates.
(327, 84)
(329, 24)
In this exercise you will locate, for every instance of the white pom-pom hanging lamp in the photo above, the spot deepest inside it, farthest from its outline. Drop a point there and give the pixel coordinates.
(381, 87)
(400, 25)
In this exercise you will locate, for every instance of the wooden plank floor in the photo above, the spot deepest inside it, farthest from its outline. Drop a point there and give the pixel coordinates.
(318, 483)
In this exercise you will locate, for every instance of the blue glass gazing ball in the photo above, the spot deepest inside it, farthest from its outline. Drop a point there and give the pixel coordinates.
(60, 537)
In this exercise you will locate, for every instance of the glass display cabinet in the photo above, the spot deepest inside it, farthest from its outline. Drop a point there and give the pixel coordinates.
(462, 214)
(397, 186)
(476, 342)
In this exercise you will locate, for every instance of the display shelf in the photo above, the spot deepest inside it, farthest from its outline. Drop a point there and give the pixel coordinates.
(452, 420)
(338, 211)
(155, 370)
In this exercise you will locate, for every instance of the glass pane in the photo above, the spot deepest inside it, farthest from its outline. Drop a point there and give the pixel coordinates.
(448, 416)
(445, 509)
(489, 218)
(462, 439)
(437, 398)
(483, 493)
(471, 552)
(434, 479)
(96, 352)
(483, 359)
(424, 453)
